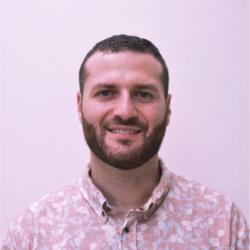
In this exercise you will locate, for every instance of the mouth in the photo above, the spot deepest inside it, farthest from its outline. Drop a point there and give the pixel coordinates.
(124, 131)
(123, 135)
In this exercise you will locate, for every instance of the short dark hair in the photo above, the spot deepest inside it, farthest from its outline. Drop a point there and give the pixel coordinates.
(123, 42)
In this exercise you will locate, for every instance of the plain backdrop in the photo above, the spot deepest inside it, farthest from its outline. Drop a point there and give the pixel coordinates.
(205, 44)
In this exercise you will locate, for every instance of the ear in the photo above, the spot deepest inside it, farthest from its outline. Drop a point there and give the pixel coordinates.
(79, 105)
(168, 108)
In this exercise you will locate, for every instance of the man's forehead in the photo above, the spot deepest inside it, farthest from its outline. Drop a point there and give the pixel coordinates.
(127, 59)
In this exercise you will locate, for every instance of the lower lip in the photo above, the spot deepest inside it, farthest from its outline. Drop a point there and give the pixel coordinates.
(124, 135)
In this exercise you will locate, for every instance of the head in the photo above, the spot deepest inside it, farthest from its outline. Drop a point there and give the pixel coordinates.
(118, 43)
(123, 102)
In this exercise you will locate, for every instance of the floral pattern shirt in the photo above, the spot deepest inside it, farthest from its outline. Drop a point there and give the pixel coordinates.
(180, 214)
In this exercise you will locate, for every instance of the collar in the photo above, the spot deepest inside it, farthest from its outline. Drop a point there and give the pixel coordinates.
(100, 205)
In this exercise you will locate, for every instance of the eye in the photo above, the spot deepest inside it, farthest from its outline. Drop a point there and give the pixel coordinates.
(107, 93)
(143, 96)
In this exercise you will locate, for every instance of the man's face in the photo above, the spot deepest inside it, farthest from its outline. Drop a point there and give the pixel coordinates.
(123, 109)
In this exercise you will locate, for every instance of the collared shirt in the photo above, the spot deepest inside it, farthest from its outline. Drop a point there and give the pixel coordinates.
(180, 214)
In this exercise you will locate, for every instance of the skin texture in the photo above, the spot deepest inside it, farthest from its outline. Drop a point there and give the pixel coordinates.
(124, 114)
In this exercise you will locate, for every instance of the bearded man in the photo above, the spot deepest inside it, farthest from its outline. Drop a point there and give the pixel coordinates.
(127, 198)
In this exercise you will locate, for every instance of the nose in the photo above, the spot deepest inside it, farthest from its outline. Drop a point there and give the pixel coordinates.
(125, 108)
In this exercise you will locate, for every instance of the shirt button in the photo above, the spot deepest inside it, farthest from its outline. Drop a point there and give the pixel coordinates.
(150, 206)
(126, 229)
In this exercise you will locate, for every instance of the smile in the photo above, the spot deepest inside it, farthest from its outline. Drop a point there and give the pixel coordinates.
(124, 131)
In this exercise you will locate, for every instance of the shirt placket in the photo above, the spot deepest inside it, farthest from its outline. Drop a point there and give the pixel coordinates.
(128, 235)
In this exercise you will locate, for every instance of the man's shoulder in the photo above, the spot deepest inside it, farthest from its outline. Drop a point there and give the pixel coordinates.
(197, 196)
(47, 214)
(194, 207)
(58, 202)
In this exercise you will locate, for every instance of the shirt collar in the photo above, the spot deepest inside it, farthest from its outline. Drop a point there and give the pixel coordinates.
(98, 202)
(91, 193)
(159, 193)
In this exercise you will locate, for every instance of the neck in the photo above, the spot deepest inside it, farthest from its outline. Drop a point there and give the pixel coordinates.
(125, 189)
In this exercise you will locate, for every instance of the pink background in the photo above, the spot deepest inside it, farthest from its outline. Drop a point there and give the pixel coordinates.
(205, 44)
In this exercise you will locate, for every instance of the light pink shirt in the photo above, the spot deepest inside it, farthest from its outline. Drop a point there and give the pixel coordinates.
(180, 214)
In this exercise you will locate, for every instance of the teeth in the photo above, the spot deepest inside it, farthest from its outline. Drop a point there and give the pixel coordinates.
(124, 131)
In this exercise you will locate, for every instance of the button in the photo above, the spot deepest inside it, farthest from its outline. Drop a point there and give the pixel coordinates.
(104, 217)
(150, 206)
(126, 229)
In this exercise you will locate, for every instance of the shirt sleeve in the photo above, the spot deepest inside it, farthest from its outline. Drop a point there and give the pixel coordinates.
(20, 234)
(239, 231)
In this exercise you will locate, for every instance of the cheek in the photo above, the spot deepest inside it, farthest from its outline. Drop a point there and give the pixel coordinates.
(154, 115)
(94, 113)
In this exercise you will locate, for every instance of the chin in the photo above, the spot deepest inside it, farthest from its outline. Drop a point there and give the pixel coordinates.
(123, 148)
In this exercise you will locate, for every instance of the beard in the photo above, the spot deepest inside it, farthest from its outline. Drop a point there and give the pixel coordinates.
(133, 156)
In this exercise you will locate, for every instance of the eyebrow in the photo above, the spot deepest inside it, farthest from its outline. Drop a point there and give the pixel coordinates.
(104, 86)
(138, 86)
(146, 86)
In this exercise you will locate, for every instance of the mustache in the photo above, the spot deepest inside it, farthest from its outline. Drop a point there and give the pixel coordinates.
(132, 121)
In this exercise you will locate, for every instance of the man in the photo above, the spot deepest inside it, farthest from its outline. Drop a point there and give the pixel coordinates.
(127, 198)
